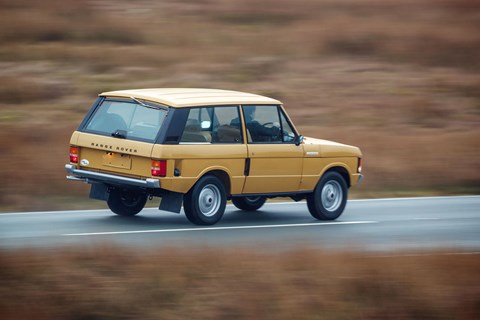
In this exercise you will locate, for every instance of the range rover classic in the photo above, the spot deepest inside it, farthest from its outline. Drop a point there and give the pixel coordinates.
(202, 147)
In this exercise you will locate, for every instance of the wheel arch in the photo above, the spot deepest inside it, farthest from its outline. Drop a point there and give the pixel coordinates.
(340, 169)
(221, 174)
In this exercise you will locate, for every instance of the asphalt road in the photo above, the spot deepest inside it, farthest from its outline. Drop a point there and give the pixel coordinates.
(381, 224)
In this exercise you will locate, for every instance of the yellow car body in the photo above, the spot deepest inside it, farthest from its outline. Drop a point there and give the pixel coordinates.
(159, 133)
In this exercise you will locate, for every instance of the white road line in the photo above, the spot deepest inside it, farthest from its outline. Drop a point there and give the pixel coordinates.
(433, 254)
(220, 228)
(414, 198)
(267, 204)
(52, 212)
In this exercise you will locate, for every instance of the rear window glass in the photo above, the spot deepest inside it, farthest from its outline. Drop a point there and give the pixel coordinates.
(127, 120)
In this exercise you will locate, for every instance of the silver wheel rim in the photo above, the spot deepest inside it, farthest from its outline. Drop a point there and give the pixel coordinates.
(332, 195)
(252, 199)
(209, 200)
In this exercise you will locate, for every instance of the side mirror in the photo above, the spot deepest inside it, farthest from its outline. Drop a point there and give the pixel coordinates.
(298, 140)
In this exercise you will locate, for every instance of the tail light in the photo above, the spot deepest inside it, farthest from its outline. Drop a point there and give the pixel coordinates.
(360, 163)
(159, 168)
(74, 154)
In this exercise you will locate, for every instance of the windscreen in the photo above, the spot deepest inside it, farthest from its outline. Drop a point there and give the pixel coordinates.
(135, 120)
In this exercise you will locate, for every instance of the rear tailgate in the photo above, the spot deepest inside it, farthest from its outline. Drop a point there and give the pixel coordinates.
(118, 135)
(113, 155)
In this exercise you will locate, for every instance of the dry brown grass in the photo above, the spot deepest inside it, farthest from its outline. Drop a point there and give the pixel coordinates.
(400, 79)
(110, 283)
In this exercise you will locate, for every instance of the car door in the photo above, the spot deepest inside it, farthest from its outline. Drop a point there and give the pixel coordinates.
(211, 142)
(274, 162)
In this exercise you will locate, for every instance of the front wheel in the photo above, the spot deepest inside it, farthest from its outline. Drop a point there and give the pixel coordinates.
(126, 202)
(329, 198)
(251, 203)
(205, 203)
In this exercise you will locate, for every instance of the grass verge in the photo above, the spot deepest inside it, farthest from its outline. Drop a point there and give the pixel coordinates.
(113, 283)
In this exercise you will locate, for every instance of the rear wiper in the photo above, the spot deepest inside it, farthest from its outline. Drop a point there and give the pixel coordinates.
(144, 104)
(121, 134)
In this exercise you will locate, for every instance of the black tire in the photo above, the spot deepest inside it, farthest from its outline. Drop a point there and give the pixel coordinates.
(328, 200)
(249, 203)
(126, 202)
(205, 203)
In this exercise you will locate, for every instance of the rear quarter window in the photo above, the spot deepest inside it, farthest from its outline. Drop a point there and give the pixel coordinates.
(213, 125)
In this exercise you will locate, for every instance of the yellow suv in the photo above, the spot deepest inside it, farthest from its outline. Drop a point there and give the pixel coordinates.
(202, 147)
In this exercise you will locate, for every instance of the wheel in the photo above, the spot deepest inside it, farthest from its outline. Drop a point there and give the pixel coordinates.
(205, 203)
(329, 198)
(126, 202)
(249, 203)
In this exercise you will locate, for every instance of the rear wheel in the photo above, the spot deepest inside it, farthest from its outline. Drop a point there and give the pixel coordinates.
(126, 202)
(329, 198)
(205, 203)
(251, 203)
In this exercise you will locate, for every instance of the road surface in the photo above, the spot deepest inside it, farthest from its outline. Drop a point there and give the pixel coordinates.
(378, 224)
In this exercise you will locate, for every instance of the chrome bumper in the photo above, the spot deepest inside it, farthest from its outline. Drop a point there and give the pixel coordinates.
(94, 177)
(360, 178)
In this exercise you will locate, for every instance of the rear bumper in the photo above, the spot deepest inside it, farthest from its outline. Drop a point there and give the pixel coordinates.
(97, 177)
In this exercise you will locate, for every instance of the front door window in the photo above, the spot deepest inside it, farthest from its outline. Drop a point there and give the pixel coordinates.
(267, 124)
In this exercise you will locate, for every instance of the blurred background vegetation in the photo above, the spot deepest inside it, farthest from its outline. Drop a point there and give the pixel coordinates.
(400, 79)
(113, 283)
